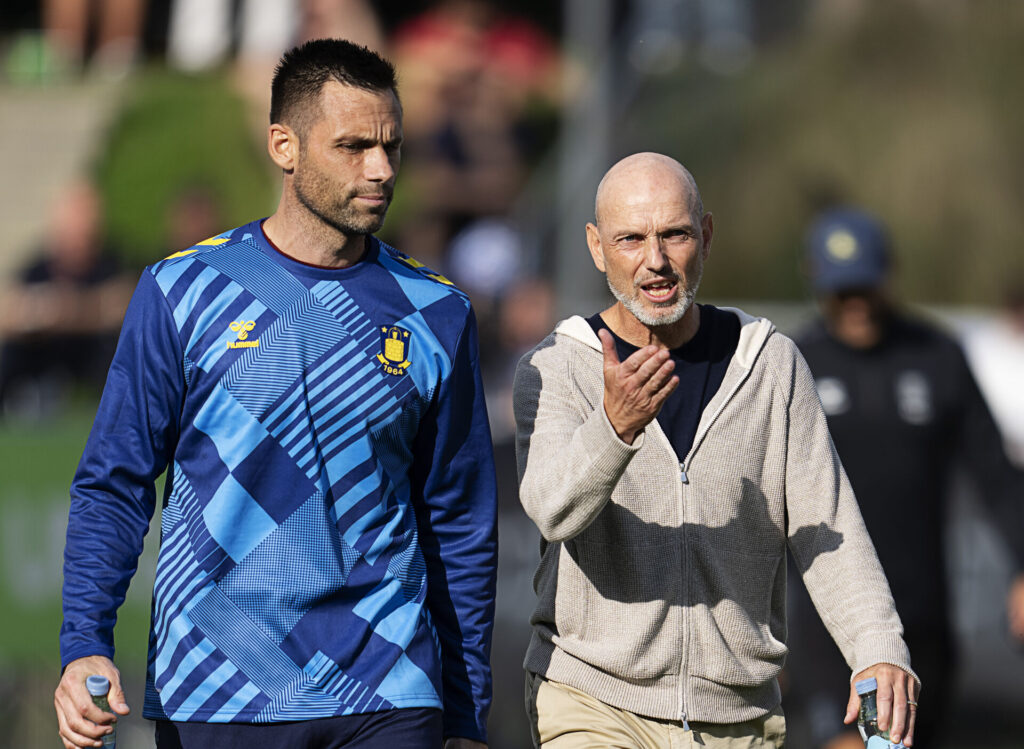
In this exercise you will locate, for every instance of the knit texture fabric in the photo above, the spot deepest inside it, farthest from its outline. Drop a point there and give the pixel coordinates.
(662, 586)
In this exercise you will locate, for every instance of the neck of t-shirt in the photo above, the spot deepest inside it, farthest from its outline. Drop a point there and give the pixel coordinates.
(686, 345)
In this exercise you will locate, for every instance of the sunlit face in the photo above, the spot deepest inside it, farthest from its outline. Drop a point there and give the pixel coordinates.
(651, 244)
(349, 158)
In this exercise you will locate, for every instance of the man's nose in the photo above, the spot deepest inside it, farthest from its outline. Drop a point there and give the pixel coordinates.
(654, 256)
(377, 166)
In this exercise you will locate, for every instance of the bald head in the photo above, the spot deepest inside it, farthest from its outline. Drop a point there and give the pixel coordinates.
(642, 174)
(651, 240)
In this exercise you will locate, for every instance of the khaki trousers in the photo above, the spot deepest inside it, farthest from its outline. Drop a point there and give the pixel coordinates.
(562, 717)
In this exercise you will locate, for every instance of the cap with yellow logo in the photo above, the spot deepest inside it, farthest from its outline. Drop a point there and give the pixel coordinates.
(847, 249)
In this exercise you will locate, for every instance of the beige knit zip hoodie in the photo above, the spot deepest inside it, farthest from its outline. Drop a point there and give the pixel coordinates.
(662, 585)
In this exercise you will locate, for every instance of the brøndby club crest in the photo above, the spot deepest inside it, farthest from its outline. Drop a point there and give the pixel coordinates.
(394, 349)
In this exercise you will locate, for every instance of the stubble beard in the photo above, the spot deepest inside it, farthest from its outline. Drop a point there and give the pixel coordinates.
(667, 313)
(314, 193)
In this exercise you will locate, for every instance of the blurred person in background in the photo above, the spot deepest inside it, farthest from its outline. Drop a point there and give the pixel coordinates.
(669, 453)
(205, 33)
(117, 24)
(475, 69)
(328, 547)
(903, 409)
(252, 35)
(996, 353)
(59, 319)
(525, 313)
(193, 215)
(354, 20)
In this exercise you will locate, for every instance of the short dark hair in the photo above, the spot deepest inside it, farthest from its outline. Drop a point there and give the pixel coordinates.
(303, 71)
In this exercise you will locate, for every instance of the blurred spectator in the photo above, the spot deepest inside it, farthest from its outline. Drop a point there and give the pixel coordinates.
(69, 27)
(59, 321)
(524, 313)
(469, 73)
(254, 34)
(996, 353)
(203, 32)
(251, 36)
(903, 410)
(194, 215)
(483, 259)
(456, 39)
(354, 20)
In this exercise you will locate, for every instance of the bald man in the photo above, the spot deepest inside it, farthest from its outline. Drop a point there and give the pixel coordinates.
(669, 452)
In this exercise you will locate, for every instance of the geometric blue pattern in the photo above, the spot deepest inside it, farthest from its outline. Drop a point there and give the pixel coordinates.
(410, 569)
(430, 366)
(234, 431)
(420, 294)
(296, 701)
(282, 578)
(187, 305)
(214, 344)
(291, 583)
(298, 338)
(235, 520)
(243, 643)
(250, 267)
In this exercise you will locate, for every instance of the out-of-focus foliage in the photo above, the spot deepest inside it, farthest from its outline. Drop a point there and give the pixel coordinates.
(176, 133)
(912, 110)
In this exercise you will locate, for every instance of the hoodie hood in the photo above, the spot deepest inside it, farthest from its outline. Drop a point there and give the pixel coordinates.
(754, 331)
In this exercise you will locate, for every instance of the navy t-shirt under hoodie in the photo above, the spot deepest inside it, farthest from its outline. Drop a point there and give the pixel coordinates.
(701, 363)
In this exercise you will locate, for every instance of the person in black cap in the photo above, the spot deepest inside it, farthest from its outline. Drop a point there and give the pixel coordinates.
(902, 408)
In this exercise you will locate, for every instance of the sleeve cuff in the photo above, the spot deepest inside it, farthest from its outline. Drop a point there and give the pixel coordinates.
(84, 651)
(888, 648)
(614, 453)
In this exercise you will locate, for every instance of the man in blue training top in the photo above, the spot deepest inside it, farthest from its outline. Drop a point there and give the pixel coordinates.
(328, 545)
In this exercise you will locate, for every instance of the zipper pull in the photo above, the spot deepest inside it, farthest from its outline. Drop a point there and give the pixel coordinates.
(686, 726)
(682, 474)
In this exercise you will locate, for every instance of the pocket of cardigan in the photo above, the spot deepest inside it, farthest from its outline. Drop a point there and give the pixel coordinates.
(629, 614)
(737, 616)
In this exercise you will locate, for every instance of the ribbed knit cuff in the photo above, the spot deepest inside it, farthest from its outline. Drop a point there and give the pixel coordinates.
(883, 647)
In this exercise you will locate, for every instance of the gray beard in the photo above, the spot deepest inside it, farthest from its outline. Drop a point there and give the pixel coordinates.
(670, 314)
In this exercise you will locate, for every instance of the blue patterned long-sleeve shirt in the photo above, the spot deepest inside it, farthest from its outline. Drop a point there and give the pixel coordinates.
(328, 538)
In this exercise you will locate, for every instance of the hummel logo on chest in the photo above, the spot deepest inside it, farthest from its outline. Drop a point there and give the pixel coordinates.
(243, 328)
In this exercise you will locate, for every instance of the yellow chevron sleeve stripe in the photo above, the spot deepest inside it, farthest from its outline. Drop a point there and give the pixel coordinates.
(413, 262)
(183, 253)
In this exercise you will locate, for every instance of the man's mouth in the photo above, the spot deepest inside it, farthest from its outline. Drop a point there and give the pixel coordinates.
(659, 290)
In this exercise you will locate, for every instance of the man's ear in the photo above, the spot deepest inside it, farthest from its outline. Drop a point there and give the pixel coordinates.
(707, 230)
(594, 245)
(283, 146)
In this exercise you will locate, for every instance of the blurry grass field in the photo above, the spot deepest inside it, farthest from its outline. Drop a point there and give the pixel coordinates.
(37, 464)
